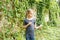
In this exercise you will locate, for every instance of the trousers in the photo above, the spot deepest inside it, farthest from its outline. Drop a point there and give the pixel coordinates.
(29, 36)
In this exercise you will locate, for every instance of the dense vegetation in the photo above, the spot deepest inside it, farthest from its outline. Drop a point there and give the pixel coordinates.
(12, 14)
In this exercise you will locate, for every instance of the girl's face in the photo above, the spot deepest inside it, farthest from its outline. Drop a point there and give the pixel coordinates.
(30, 14)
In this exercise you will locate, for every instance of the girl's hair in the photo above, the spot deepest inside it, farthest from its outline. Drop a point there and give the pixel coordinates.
(32, 11)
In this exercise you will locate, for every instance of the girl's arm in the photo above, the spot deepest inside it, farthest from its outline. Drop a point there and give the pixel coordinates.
(25, 26)
(38, 26)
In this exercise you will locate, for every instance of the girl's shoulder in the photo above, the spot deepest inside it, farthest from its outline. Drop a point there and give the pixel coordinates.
(25, 19)
(33, 19)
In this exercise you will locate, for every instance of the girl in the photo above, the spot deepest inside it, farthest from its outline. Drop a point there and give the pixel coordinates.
(29, 24)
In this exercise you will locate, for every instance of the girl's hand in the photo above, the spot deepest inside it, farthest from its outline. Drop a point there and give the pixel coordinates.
(27, 24)
(40, 26)
(30, 23)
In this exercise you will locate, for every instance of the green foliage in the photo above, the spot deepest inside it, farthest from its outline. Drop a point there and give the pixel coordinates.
(14, 14)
